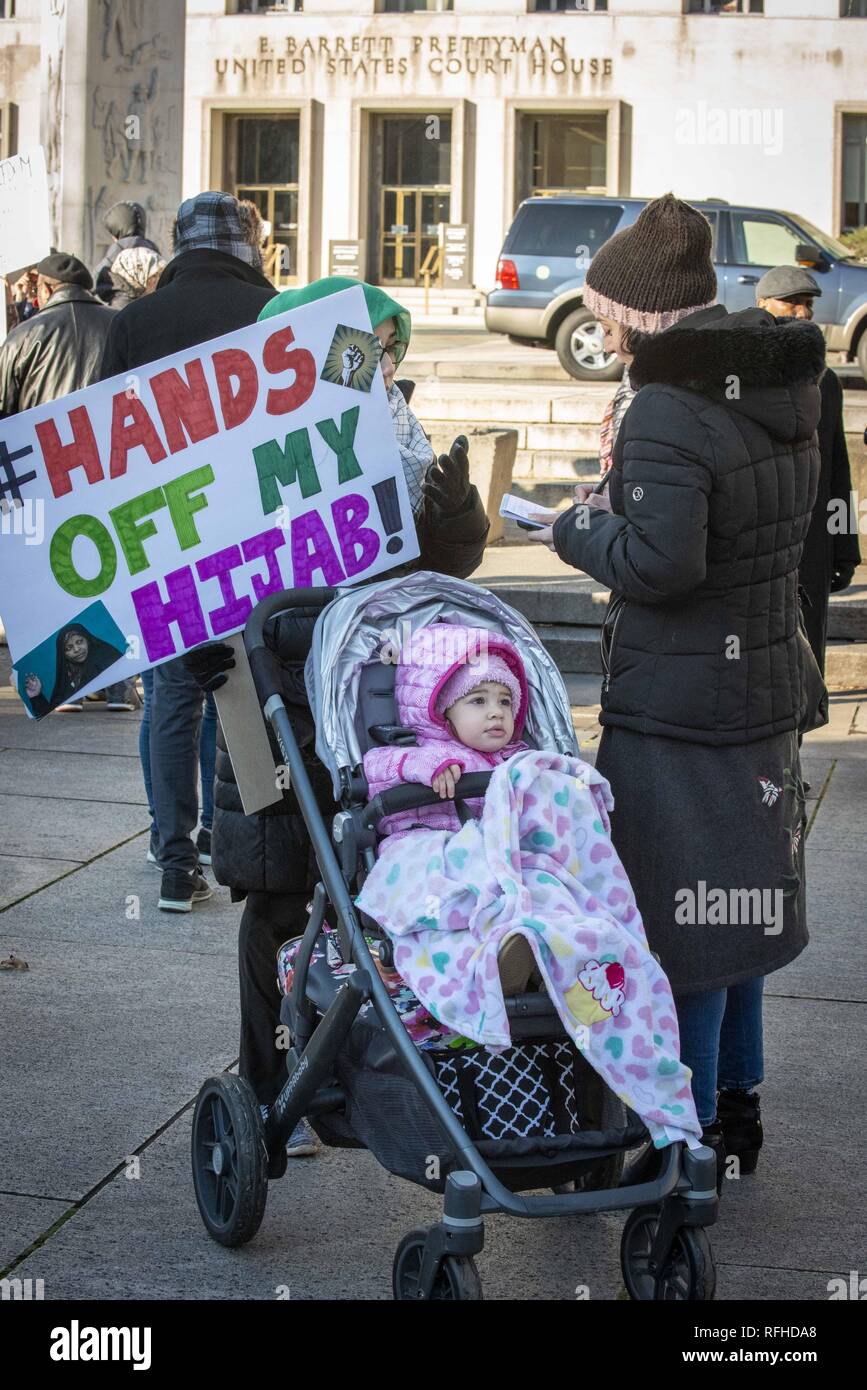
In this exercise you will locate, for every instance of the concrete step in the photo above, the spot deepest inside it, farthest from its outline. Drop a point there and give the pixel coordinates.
(567, 603)
(574, 649)
(547, 369)
(558, 465)
(551, 492)
(847, 614)
(846, 665)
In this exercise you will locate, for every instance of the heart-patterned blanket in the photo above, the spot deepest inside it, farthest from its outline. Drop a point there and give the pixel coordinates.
(539, 862)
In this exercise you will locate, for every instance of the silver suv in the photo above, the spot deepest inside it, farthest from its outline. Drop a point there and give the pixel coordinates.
(541, 270)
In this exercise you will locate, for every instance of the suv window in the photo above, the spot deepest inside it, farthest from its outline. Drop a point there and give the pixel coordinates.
(559, 229)
(713, 219)
(759, 240)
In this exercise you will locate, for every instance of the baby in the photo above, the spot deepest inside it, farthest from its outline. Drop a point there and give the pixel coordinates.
(463, 691)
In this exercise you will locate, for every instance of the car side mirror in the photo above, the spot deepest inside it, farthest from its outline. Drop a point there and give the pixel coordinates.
(807, 254)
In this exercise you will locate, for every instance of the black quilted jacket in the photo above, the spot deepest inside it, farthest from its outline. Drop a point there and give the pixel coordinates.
(714, 479)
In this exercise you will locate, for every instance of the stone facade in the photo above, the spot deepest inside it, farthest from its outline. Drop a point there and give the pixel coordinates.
(748, 108)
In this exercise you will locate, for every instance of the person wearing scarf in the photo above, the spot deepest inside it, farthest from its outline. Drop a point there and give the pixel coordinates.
(133, 273)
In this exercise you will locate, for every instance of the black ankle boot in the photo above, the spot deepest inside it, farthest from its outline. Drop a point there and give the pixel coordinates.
(712, 1136)
(739, 1114)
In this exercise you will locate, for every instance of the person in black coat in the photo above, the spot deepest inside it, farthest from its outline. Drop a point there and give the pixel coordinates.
(831, 553)
(267, 859)
(58, 350)
(714, 479)
(212, 285)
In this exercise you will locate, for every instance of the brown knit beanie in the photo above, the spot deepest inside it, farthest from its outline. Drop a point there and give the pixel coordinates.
(654, 273)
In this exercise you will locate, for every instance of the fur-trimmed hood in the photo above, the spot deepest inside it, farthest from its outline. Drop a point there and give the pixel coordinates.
(757, 365)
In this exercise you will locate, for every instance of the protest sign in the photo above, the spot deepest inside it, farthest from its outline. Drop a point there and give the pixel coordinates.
(25, 236)
(148, 513)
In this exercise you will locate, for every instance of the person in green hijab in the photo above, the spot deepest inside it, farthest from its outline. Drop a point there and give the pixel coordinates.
(265, 859)
(438, 488)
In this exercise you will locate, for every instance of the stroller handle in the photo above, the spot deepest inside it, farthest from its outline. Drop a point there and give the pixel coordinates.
(409, 795)
(264, 666)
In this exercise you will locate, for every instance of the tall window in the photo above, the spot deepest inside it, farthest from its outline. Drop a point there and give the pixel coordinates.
(723, 6)
(7, 9)
(854, 210)
(262, 165)
(853, 9)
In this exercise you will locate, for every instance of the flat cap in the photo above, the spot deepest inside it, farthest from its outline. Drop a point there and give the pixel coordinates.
(784, 281)
(69, 270)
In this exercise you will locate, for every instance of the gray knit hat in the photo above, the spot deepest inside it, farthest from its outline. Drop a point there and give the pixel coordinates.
(655, 272)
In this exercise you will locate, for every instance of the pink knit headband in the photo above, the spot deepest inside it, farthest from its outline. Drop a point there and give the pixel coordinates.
(647, 320)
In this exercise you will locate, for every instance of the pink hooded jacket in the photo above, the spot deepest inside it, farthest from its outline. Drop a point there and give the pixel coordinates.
(434, 654)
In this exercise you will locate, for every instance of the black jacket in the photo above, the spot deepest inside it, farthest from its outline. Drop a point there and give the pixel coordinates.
(56, 351)
(270, 852)
(200, 295)
(826, 547)
(714, 478)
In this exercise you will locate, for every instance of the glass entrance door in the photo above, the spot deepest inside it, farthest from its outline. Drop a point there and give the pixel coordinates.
(412, 171)
(410, 221)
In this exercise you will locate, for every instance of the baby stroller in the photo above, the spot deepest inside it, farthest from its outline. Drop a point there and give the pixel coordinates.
(484, 1129)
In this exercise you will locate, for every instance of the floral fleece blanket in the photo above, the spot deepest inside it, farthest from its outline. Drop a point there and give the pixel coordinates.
(539, 862)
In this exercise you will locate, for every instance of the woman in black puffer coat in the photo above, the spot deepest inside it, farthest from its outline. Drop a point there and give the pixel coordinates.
(714, 478)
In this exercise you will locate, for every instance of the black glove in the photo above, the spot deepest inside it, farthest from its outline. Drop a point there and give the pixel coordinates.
(842, 578)
(448, 480)
(208, 664)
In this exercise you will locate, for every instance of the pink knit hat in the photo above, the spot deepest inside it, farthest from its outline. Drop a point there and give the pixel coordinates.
(467, 678)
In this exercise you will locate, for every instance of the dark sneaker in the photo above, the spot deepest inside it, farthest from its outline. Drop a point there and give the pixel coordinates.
(153, 855)
(302, 1142)
(203, 845)
(179, 890)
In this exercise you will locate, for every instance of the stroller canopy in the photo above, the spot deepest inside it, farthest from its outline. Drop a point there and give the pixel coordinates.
(361, 623)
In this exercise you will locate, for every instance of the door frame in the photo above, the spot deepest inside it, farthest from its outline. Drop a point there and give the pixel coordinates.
(310, 130)
(462, 164)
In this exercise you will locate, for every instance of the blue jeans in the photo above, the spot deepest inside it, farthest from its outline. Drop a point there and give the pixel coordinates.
(721, 1041)
(207, 752)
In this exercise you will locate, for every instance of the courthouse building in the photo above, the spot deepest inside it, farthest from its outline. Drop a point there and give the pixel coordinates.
(392, 125)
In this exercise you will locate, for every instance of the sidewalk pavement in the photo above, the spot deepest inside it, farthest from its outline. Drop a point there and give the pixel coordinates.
(125, 1010)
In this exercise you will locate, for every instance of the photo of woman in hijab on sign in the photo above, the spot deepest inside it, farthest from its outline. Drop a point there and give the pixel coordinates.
(79, 658)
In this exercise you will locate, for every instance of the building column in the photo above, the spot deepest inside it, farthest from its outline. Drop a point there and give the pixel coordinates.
(112, 115)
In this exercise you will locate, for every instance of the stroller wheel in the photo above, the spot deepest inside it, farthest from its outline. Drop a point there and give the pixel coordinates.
(687, 1274)
(457, 1278)
(230, 1164)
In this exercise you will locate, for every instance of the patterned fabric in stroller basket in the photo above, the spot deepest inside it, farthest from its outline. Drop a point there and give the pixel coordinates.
(530, 1089)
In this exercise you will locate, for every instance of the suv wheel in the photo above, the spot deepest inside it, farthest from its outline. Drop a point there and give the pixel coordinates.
(861, 354)
(579, 347)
